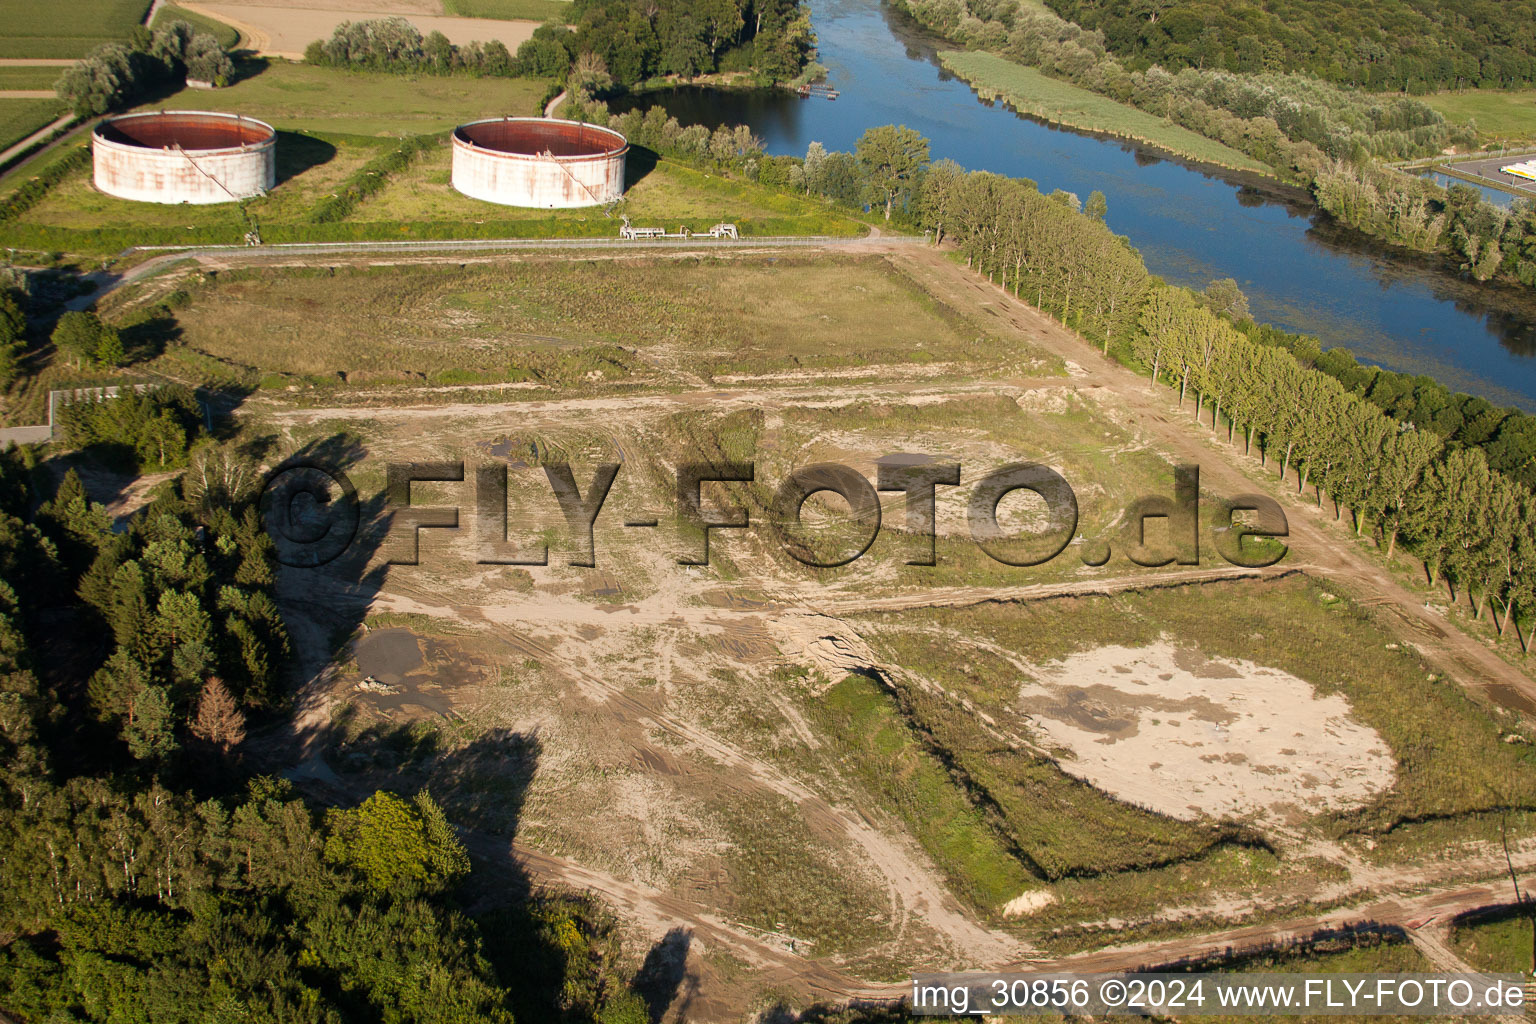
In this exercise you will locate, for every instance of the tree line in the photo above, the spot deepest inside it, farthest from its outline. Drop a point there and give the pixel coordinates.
(1473, 527)
(611, 44)
(1317, 134)
(1405, 45)
(117, 75)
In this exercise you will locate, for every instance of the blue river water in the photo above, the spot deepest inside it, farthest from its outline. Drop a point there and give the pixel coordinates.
(1192, 225)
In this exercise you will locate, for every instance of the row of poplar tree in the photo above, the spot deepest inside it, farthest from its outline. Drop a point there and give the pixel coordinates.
(1473, 527)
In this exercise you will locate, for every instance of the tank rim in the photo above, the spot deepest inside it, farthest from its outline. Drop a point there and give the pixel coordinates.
(268, 133)
(618, 147)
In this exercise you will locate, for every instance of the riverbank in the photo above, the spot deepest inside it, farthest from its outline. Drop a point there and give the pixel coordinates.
(1029, 92)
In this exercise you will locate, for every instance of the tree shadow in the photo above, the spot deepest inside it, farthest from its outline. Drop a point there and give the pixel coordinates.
(536, 942)
(146, 338)
(325, 535)
(247, 65)
(664, 977)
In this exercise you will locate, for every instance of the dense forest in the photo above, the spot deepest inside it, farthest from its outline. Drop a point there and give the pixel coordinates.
(148, 874)
(1411, 45)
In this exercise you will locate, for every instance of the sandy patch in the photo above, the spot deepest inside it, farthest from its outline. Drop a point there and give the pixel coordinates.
(1027, 903)
(359, 8)
(286, 31)
(1169, 729)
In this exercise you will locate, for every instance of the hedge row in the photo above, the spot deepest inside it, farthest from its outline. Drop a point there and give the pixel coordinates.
(33, 191)
(371, 178)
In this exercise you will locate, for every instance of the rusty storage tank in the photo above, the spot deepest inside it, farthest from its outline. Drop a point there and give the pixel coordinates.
(539, 162)
(184, 156)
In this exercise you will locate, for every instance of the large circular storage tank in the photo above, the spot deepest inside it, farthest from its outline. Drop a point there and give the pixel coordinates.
(539, 162)
(184, 156)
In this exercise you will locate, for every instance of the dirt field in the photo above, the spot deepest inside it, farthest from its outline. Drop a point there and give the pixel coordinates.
(285, 30)
(1167, 728)
(657, 733)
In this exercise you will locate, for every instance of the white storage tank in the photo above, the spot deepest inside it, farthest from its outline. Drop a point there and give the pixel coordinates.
(184, 156)
(539, 162)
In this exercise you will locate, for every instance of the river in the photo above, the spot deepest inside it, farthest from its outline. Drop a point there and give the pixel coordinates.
(1299, 270)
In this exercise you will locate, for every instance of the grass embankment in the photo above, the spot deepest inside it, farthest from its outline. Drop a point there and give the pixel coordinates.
(29, 28)
(1498, 943)
(227, 35)
(1035, 94)
(1509, 115)
(510, 10)
(20, 118)
(878, 748)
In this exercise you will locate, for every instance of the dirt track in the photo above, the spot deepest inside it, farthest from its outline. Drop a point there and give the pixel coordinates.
(1318, 548)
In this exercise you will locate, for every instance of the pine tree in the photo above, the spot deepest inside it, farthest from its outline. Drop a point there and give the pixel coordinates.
(219, 721)
(149, 730)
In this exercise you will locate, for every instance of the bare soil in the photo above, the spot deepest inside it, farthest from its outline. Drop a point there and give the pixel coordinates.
(280, 30)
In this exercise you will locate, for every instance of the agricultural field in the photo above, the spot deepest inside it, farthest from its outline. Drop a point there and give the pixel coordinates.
(1031, 92)
(285, 31)
(227, 36)
(510, 10)
(1508, 115)
(300, 97)
(31, 29)
(20, 118)
(28, 78)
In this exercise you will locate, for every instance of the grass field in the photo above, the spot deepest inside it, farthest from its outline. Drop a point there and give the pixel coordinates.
(559, 321)
(75, 217)
(32, 29)
(510, 10)
(29, 78)
(309, 168)
(1499, 114)
(1033, 93)
(20, 118)
(670, 195)
(300, 97)
(225, 34)
(1501, 943)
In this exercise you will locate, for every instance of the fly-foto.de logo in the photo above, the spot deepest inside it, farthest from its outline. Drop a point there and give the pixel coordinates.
(312, 513)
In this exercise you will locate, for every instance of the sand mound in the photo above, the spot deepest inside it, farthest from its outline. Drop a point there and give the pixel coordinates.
(1165, 727)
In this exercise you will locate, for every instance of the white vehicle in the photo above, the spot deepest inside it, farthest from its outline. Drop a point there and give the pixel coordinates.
(1526, 170)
